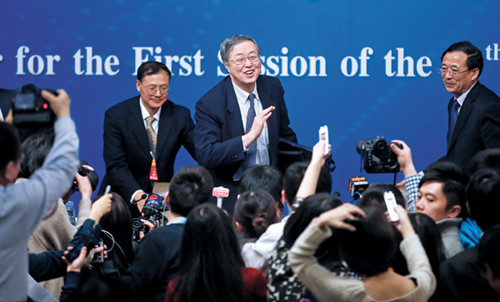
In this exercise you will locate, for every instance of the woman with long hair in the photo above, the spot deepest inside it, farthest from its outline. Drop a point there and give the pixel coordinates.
(210, 265)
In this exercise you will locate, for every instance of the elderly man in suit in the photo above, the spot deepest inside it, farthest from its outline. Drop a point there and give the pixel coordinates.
(142, 129)
(239, 121)
(474, 110)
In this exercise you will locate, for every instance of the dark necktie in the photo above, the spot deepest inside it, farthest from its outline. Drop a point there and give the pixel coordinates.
(453, 120)
(151, 133)
(252, 148)
(251, 154)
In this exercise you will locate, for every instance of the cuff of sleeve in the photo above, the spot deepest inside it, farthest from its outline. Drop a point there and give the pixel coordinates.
(318, 235)
(244, 149)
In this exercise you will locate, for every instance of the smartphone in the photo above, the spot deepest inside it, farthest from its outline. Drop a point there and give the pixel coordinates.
(108, 189)
(323, 136)
(390, 202)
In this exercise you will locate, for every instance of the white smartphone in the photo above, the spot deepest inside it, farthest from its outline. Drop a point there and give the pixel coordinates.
(390, 203)
(108, 189)
(323, 136)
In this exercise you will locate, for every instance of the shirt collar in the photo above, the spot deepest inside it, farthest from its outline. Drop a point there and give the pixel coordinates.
(178, 220)
(242, 95)
(461, 98)
(145, 113)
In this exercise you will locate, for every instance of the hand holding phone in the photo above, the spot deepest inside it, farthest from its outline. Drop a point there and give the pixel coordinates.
(390, 202)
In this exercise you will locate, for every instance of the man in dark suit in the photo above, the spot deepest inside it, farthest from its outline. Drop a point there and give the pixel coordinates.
(239, 121)
(142, 128)
(474, 111)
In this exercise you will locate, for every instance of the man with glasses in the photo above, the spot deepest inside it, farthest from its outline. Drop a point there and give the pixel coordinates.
(474, 110)
(143, 133)
(240, 121)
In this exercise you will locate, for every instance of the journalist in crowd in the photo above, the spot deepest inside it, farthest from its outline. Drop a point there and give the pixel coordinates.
(23, 205)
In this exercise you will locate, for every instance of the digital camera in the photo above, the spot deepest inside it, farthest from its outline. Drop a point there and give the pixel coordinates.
(378, 156)
(30, 109)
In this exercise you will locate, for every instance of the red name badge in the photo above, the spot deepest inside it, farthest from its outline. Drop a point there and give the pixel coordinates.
(153, 174)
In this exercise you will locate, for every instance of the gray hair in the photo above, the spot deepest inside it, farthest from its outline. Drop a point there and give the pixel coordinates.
(227, 45)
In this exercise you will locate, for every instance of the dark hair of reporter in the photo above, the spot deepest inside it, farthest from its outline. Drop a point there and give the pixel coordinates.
(484, 159)
(34, 150)
(489, 248)
(483, 191)
(265, 177)
(374, 196)
(430, 237)
(294, 175)
(368, 250)
(10, 149)
(118, 222)
(210, 261)
(255, 211)
(189, 187)
(454, 181)
(310, 208)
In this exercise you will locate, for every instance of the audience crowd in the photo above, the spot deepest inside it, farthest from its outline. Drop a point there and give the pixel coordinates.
(288, 238)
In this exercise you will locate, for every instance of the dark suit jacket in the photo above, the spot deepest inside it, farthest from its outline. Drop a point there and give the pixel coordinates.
(461, 278)
(477, 127)
(155, 263)
(6, 100)
(126, 147)
(219, 128)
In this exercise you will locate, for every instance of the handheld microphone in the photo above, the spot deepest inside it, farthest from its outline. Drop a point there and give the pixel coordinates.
(220, 192)
(153, 206)
(357, 185)
(143, 196)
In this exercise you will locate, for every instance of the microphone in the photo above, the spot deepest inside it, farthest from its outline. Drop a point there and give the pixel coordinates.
(153, 206)
(220, 192)
(143, 196)
(357, 185)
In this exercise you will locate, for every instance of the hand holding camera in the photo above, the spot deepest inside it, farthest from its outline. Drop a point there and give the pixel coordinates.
(75, 264)
(378, 156)
(59, 102)
(403, 153)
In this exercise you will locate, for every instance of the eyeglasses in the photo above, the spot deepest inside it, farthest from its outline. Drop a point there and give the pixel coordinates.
(454, 72)
(153, 89)
(240, 60)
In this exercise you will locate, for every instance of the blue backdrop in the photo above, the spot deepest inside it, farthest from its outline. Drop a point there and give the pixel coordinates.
(364, 68)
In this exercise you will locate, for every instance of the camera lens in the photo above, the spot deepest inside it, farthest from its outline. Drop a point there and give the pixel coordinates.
(363, 146)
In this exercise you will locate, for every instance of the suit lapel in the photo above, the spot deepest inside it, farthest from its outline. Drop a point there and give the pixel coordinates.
(464, 114)
(166, 123)
(134, 119)
(233, 110)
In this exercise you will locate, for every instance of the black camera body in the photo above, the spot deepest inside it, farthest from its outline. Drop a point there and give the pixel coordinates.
(152, 211)
(93, 177)
(378, 156)
(30, 109)
(138, 226)
(87, 235)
